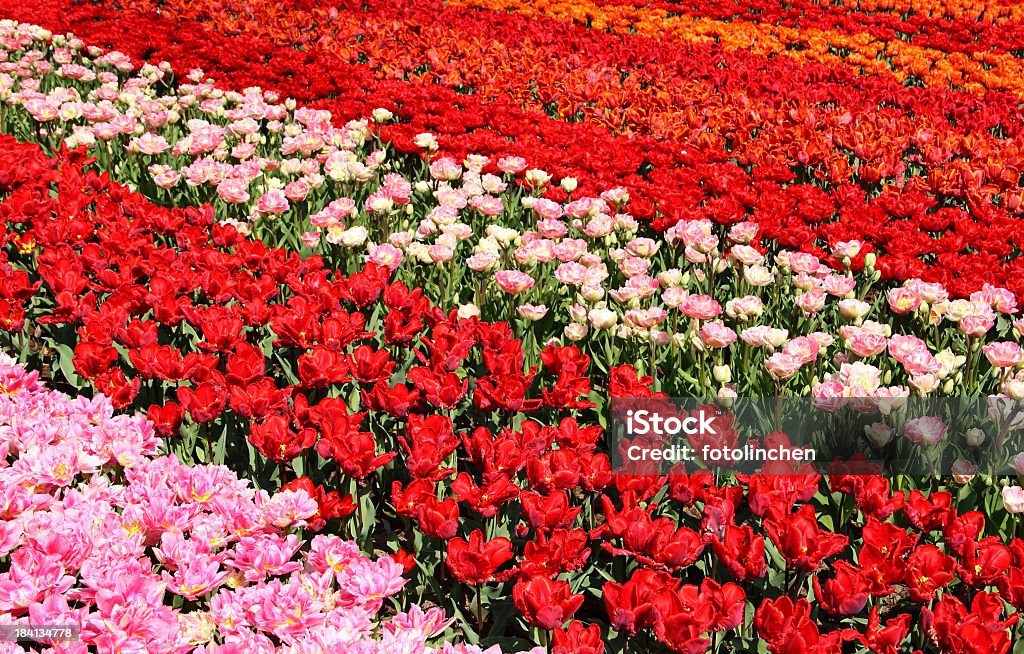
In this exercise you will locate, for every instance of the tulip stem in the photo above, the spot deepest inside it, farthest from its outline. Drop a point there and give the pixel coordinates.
(209, 445)
(653, 370)
(479, 611)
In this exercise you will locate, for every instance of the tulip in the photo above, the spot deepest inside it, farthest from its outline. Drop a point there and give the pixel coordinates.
(544, 602)
(1013, 499)
(513, 282)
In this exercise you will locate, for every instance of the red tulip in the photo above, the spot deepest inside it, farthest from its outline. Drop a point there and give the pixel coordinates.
(275, 440)
(927, 570)
(545, 602)
(475, 562)
(741, 551)
(577, 639)
(203, 403)
(166, 418)
(632, 606)
(887, 639)
(438, 519)
(801, 541)
(845, 594)
(548, 512)
(788, 629)
(408, 500)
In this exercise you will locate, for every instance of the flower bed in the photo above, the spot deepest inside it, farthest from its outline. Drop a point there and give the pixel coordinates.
(423, 376)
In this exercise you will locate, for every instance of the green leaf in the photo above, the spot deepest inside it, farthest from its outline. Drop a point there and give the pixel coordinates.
(66, 363)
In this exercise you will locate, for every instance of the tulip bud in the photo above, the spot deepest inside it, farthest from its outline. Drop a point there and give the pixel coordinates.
(671, 277)
(467, 311)
(1013, 499)
(726, 396)
(869, 260)
(602, 319)
(575, 331)
(592, 293)
(536, 178)
(722, 374)
(1014, 387)
(659, 337)
(974, 437)
(963, 471)
(569, 184)
(426, 141)
(381, 115)
(879, 434)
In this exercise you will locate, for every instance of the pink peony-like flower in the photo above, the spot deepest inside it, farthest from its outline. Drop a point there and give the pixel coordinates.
(921, 362)
(743, 232)
(446, 169)
(272, 202)
(547, 209)
(386, 255)
(846, 249)
(1004, 354)
(903, 300)
(829, 396)
(717, 335)
(365, 581)
(925, 431)
(440, 253)
(297, 191)
(867, 344)
(512, 165)
(633, 266)
(234, 191)
(513, 282)
(811, 302)
(839, 285)
(801, 262)
(532, 312)
(782, 366)
(804, 348)
(310, 239)
(1000, 299)
(571, 273)
(901, 347)
(149, 144)
(701, 307)
(977, 325)
(646, 318)
(552, 229)
(482, 261)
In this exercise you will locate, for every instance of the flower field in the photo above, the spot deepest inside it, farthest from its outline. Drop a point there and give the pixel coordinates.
(317, 324)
